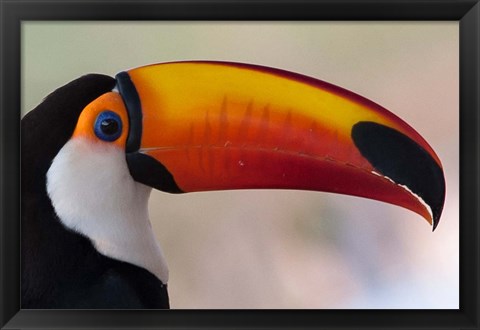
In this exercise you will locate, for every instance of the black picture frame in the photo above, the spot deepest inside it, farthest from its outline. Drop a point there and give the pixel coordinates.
(467, 12)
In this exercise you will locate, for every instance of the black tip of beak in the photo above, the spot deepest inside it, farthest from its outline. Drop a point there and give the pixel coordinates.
(401, 159)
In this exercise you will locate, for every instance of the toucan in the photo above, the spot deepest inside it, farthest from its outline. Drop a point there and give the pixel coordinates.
(93, 149)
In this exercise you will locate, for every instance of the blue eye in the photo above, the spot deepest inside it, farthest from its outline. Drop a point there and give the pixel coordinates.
(108, 126)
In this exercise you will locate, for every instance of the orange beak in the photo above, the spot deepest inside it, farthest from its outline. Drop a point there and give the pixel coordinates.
(198, 126)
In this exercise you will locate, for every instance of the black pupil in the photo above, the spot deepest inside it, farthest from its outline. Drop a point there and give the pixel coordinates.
(109, 126)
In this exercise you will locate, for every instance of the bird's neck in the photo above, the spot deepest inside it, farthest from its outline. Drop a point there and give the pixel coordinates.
(139, 247)
(94, 195)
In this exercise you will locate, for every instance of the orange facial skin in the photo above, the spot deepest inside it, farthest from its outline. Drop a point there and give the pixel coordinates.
(109, 101)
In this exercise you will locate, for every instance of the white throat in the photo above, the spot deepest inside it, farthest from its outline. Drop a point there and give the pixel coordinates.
(93, 193)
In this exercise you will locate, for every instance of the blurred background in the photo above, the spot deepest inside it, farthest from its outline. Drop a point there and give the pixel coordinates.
(290, 249)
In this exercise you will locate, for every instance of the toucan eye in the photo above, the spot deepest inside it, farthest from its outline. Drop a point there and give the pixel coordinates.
(108, 126)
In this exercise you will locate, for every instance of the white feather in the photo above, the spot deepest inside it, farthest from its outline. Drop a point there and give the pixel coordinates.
(93, 193)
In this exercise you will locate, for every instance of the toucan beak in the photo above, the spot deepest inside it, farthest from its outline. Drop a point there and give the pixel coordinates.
(198, 126)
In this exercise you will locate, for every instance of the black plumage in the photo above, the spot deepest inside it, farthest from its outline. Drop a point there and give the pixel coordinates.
(61, 268)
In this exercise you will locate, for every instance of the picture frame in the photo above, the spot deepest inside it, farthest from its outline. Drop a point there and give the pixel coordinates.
(14, 12)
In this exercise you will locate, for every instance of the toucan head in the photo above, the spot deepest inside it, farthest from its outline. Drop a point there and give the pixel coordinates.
(200, 126)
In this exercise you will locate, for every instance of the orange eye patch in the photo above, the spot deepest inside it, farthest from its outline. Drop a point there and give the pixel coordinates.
(105, 119)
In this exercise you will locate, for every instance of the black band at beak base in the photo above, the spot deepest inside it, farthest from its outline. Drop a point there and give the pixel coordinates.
(129, 94)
